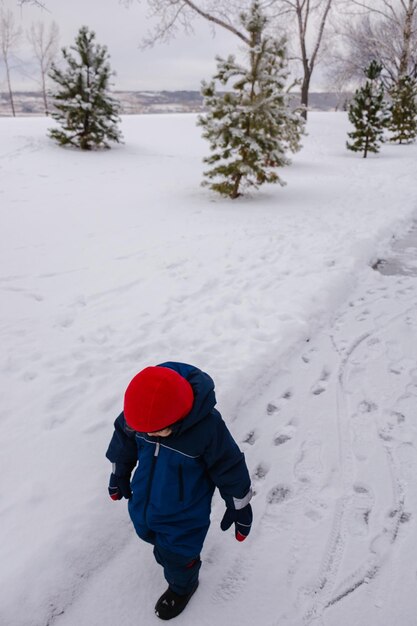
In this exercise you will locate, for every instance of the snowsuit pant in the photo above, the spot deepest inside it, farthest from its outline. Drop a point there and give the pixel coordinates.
(181, 572)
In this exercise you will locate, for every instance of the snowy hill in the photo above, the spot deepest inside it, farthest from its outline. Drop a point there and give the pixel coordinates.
(112, 261)
(31, 102)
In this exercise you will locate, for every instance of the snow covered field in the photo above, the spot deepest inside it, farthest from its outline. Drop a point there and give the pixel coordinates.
(115, 260)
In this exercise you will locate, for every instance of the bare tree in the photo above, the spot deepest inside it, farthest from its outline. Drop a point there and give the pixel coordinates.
(44, 43)
(381, 30)
(308, 17)
(9, 38)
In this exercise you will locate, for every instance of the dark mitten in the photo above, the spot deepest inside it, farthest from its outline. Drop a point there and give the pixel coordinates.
(242, 519)
(119, 487)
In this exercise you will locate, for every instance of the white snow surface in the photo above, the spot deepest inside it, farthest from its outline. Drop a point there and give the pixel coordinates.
(115, 260)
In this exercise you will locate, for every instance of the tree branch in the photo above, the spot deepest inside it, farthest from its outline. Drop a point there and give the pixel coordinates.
(217, 21)
(163, 31)
(36, 3)
(372, 9)
(320, 34)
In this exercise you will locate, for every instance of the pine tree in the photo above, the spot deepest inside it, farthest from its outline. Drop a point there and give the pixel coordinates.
(249, 126)
(403, 121)
(368, 113)
(84, 107)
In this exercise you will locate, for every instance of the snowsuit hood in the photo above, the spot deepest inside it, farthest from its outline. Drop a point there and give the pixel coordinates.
(204, 397)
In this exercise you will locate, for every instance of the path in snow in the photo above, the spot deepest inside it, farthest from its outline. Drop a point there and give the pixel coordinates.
(355, 464)
(332, 445)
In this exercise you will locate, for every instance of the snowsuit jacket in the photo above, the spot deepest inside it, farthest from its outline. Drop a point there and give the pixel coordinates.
(176, 476)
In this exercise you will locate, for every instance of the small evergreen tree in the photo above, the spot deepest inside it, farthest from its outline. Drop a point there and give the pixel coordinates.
(249, 126)
(368, 113)
(84, 107)
(403, 120)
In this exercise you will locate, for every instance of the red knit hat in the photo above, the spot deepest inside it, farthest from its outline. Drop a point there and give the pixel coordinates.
(156, 398)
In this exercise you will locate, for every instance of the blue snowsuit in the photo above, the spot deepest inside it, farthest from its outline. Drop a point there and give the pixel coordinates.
(176, 476)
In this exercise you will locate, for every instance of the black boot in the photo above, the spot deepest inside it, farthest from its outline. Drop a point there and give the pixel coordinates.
(171, 604)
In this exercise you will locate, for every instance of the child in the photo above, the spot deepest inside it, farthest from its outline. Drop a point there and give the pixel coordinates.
(170, 428)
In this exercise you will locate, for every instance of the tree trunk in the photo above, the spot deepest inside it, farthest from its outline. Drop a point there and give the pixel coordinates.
(365, 154)
(45, 100)
(9, 84)
(407, 35)
(305, 88)
(235, 192)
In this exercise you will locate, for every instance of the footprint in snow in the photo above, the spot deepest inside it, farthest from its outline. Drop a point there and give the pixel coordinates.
(280, 439)
(260, 472)
(276, 515)
(406, 455)
(397, 370)
(233, 581)
(367, 406)
(386, 434)
(279, 494)
(307, 356)
(315, 510)
(213, 555)
(363, 316)
(362, 502)
(321, 384)
(250, 438)
(410, 321)
(405, 517)
(271, 408)
(398, 416)
(308, 467)
(286, 434)
(363, 431)
(318, 389)
(65, 320)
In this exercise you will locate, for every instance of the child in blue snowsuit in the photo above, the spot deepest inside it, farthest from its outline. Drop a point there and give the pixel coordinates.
(182, 450)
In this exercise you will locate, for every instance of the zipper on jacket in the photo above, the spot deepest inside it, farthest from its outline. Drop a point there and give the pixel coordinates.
(148, 491)
(180, 483)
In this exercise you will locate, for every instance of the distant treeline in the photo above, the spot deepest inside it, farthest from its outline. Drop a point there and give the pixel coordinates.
(31, 102)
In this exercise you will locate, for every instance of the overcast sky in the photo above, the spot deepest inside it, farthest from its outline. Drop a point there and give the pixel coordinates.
(181, 64)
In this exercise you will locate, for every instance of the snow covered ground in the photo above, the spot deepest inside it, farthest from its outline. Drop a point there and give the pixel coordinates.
(112, 261)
